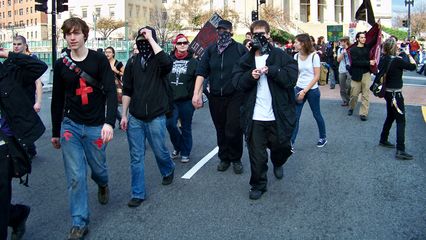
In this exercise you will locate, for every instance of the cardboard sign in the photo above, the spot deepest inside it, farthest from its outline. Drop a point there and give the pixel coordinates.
(334, 32)
(206, 36)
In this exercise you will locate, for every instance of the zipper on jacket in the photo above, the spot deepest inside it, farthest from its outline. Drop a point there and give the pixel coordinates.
(221, 74)
(146, 109)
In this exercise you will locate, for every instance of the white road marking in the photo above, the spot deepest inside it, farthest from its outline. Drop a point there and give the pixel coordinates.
(200, 164)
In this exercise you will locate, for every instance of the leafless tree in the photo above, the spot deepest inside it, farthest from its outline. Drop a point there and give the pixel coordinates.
(164, 24)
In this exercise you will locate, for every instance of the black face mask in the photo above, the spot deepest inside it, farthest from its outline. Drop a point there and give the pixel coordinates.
(145, 49)
(260, 42)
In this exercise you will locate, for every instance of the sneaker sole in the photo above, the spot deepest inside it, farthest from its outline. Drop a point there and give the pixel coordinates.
(320, 146)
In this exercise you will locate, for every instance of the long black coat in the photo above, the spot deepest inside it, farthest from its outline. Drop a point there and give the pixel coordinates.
(21, 70)
(282, 78)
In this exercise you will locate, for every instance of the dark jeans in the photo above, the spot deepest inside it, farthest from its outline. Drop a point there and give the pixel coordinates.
(422, 69)
(313, 98)
(225, 112)
(181, 137)
(264, 135)
(10, 215)
(392, 115)
(335, 68)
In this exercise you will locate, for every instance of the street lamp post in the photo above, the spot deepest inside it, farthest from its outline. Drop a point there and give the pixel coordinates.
(95, 18)
(409, 3)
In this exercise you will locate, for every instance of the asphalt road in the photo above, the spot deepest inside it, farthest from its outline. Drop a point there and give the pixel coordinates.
(350, 189)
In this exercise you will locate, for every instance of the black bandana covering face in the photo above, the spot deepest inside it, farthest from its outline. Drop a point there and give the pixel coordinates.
(260, 42)
(223, 41)
(144, 48)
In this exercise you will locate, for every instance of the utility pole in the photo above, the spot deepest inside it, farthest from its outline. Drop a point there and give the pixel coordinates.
(53, 33)
(409, 3)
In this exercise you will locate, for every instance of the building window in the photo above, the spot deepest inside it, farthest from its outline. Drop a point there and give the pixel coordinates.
(138, 9)
(31, 9)
(9, 3)
(98, 11)
(35, 21)
(322, 6)
(112, 11)
(84, 12)
(9, 13)
(28, 22)
(338, 11)
(27, 11)
(305, 10)
(130, 10)
(21, 11)
(31, 22)
(164, 1)
(35, 34)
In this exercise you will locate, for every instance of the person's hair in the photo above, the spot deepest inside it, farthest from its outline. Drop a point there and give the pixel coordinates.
(112, 50)
(249, 33)
(389, 47)
(346, 41)
(75, 23)
(260, 24)
(359, 34)
(393, 36)
(320, 40)
(307, 47)
(20, 38)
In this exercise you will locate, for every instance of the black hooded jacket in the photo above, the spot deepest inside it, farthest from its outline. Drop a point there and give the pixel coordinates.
(19, 71)
(218, 67)
(282, 77)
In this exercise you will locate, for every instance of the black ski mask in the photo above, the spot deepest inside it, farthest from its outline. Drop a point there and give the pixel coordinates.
(260, 42)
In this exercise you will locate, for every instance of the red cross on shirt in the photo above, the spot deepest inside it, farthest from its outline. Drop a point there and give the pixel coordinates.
(83, 91)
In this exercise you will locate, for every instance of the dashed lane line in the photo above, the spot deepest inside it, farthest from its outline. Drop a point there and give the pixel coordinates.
(200, 164)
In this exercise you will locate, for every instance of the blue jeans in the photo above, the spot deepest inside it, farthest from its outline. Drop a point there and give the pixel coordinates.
(137, 133)
(81, 146)
(313, 98)
(181, 138)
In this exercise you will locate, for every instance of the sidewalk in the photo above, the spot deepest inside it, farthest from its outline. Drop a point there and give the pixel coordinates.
(413, 95)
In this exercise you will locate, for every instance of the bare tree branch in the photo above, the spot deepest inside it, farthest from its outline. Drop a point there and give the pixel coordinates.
(108, 25)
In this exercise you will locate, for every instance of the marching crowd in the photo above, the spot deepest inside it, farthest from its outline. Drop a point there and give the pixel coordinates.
(256, 92)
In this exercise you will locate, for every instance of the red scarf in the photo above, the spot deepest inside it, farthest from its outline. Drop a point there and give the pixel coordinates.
(181, 56)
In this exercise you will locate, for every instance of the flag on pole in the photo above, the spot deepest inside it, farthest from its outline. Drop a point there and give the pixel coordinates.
(206, 36)
(365, 12)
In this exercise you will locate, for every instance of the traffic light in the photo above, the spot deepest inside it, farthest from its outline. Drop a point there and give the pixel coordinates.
(404, 23)
(61, 6)
(41, 5)
(262, 2)
(254, 16)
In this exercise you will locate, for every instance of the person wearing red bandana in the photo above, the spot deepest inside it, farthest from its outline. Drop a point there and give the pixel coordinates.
(79, 125)
(182, 80)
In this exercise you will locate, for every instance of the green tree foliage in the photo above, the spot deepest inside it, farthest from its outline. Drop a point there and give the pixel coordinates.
(281, 36)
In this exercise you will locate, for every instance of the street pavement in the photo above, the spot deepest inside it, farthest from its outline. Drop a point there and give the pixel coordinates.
(350, 189)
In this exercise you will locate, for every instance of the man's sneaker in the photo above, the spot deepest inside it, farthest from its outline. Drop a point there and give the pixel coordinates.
(363, 118)
(167, 180)
(175, 154)
(402, 155)
(184, 159)
(292, 150)
(279, 172)
(238, 167)
(321, 142)
(135, 202)
(78, 233)
(223, 166)
(19, 230)
(255, 194)
(386, 144)
(103, 194)
(350, 112)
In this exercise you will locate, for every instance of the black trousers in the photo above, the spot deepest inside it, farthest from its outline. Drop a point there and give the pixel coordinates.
(10, 215)
(264, 135)
(392, 115)
(225, 112)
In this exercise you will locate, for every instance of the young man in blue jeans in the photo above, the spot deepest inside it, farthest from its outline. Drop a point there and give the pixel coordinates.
(79, 125)
(146, 98)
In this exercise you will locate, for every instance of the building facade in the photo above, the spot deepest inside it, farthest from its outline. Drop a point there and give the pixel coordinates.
(19, 17)
(311, 16)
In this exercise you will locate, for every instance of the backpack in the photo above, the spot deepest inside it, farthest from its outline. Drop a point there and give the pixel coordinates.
(323, 71)
(379, 84)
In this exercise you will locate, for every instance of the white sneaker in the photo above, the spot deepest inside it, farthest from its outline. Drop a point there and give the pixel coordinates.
(184, 159)
(175, 155)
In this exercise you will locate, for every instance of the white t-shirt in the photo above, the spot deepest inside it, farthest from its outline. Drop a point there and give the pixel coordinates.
(345, 60)
(306, 69)
(263, 108)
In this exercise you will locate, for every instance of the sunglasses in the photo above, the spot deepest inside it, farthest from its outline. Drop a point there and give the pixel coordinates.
(182, 43)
